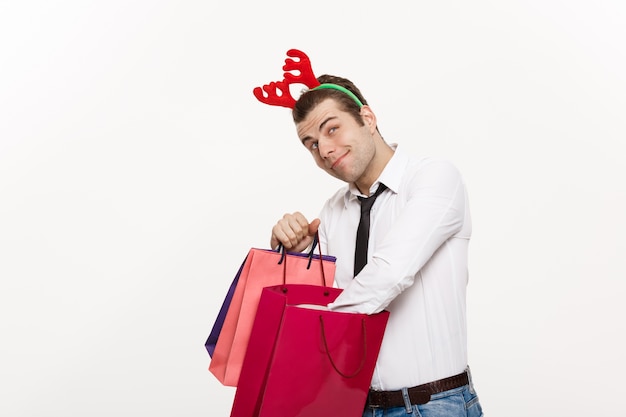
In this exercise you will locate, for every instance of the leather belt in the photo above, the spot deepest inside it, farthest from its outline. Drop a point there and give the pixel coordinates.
(418, 395)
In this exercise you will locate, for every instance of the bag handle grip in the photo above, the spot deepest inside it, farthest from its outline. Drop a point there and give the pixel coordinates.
(332, 362)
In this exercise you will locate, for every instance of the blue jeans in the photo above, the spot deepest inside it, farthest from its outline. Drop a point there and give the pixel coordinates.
(458, 402)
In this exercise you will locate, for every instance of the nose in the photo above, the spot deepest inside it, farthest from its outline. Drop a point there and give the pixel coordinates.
(325, 147)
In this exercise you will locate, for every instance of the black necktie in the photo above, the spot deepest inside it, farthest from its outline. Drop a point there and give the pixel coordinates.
(363, 232)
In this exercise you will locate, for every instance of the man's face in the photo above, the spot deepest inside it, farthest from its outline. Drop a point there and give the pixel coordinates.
(339, 145)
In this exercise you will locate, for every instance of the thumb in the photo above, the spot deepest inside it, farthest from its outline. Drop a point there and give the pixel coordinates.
(313, 226)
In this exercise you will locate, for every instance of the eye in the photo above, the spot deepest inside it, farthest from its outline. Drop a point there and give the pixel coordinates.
(310, 144)
(332, 130)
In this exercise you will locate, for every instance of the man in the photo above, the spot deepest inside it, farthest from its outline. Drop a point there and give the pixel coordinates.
(415, 265)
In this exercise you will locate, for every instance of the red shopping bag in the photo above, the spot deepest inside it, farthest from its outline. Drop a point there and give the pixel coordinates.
(303, 361)
(261, 268)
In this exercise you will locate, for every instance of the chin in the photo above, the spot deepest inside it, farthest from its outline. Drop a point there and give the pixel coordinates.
(335, 175)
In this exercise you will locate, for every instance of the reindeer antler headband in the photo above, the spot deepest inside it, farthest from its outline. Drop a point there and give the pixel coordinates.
(306, 77)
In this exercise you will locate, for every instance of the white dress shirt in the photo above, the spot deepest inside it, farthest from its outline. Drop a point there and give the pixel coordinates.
(417, 267)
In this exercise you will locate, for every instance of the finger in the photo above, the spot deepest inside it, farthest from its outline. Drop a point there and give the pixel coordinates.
(283, 233)
(274, 241)
(289, 230)
(315, 224)
(300, 224)
(298, 218)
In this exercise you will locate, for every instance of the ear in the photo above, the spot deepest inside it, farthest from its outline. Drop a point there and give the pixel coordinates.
(369, 118)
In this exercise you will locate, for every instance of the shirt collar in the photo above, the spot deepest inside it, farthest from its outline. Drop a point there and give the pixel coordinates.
(391, 175)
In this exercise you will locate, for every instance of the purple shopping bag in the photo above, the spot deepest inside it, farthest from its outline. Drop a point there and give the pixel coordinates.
(219, 321)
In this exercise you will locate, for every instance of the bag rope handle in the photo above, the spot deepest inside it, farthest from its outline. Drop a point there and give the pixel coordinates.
(332, 362)
(283, 258)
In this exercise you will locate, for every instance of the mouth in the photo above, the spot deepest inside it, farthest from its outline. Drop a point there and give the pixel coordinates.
(338, 161)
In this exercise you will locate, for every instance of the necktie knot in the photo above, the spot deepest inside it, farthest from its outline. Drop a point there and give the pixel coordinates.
(370, 200)
(367, 203)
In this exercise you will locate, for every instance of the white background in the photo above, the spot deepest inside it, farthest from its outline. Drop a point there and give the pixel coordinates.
(137, 169)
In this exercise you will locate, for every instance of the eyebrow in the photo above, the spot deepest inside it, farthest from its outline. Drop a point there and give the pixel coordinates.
(321, 126)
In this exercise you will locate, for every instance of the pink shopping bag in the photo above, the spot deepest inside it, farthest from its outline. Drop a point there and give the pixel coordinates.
(303, 361)
(261, 268)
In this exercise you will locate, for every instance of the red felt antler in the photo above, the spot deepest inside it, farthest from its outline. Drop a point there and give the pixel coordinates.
(278, 93)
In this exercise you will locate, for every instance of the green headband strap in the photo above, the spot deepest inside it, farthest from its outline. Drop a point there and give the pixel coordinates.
(342, 89)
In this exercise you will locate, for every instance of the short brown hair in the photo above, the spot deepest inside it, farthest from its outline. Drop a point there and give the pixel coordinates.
(311, 98)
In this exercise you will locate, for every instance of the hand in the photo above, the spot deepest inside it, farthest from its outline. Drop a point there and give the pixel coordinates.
(294, 232)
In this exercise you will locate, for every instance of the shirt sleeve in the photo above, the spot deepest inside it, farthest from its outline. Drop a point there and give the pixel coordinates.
(433, 213)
